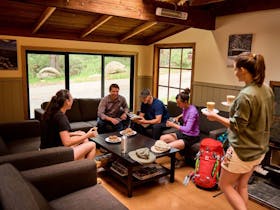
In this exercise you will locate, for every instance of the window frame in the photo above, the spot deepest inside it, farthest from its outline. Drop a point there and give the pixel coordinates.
(157, 49)
(25, 50)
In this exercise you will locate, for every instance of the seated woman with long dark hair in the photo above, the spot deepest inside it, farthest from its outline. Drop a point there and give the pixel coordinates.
(55, 128)
(187, 134)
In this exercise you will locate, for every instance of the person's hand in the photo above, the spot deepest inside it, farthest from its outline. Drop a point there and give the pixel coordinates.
(169, 123)
(92, 132)
(212, 116)
(123, 116)
(114, 121)
(142, 121)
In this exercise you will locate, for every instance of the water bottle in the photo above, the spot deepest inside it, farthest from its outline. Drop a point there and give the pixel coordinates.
(124, 144)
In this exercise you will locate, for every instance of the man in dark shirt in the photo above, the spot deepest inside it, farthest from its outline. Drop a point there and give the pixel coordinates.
(154, 115)
(112, 111)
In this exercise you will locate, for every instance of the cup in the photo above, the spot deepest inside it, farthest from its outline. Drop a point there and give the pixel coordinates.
(230, 99)
(124, 144)
(210, 106)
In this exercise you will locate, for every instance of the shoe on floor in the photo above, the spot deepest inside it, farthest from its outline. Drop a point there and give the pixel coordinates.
(102, 160)
(180, 163)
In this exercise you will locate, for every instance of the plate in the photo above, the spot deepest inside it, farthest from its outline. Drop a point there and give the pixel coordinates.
(114, 142)
(205, 110)
(225, 103)
(130, 134)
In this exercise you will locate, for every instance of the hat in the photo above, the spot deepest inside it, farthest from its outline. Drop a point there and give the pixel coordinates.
(145, 92)
(142, 155)
(160, 146)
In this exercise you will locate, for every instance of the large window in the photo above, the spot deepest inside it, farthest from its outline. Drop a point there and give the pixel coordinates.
(85, 75)
(174, 70)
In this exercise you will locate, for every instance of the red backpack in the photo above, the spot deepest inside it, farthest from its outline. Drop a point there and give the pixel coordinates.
(208, 164)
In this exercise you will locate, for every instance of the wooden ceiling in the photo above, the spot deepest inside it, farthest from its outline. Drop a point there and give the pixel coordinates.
(115, 21)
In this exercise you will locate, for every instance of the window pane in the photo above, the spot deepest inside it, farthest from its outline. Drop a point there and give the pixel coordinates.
(85, 74)
(187, 58)
(117, 70)
(46, 75)
(173, 93)
(186, 79)
(163, 76)
(174, 78)
(162, 94)
(176, 58)
(164, 55)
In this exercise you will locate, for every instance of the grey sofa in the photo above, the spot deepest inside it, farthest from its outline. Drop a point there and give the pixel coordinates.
(72, 185)
(82, 115)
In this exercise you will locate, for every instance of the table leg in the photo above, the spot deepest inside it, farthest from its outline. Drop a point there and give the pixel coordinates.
(129, 182)
(172, 167)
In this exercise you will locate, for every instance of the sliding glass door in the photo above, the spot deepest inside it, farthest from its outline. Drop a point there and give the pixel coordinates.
(85, 75)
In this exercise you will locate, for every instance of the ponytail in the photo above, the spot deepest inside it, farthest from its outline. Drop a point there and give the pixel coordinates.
(184, 96)
(254, 64)
(57, 101)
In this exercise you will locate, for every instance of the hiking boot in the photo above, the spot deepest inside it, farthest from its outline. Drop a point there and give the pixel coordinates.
(180, 163)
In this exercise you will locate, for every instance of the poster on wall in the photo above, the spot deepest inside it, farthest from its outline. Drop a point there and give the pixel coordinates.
(238, 43)
(8, 54)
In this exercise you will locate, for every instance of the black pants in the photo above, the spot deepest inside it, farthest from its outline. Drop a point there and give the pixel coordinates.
(154, 131)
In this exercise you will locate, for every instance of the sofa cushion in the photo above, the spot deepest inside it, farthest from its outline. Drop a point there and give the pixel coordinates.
(3, 148)
(24, 144)
(88, 108)
(74, 114)
(17, 193)
(95, 197)
(83, 126)
(173, 109)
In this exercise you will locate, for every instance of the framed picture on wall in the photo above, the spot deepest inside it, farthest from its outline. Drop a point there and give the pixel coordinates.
(8, 54)
(237, 44)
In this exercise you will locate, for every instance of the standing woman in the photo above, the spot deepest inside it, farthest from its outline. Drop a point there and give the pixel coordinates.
(188, 133)
(249, 123)
(56, 128)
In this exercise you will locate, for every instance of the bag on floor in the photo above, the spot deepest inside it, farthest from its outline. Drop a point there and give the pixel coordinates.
(208, 164)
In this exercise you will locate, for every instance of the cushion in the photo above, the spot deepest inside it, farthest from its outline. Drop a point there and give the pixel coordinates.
(17, 193)
(3, 148)
(173, 109)
(74, 114)
(83, 126)
(88, 108)
(95, 197)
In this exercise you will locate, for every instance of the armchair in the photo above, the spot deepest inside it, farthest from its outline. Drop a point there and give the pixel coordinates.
(72, 185)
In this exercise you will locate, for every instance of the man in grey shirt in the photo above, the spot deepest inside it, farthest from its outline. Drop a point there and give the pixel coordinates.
(112, 111)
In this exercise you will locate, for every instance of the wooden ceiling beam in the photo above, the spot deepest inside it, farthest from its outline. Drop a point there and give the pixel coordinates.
(165, 33)
(135, 9)
(96, 24)
(138, 30)
(45, 15)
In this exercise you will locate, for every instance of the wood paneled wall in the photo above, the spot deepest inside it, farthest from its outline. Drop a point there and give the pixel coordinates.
(11, 100)
(203, 92)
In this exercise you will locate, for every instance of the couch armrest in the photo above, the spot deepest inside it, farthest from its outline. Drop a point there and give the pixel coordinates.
(61, 179)
(215, 133)
(20, 129)
(38, 113)
(35, 159)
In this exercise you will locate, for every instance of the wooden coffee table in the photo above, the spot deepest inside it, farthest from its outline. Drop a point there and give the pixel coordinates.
(134, 142)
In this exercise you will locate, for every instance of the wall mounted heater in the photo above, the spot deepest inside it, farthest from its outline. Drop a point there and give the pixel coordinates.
(171, 13)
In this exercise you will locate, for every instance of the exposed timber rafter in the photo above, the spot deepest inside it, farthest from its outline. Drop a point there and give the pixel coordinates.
(138, 30)
(96, 24)
(44, 17)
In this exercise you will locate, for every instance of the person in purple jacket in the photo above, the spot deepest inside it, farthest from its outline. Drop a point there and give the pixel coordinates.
(187, 134)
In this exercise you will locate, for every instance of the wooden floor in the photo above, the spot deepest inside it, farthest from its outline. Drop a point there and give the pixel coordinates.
(162, 195)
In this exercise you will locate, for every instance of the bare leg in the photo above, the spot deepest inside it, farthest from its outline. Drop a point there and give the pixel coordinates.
(84, 150)
(242, 186)
(168, 137)
(227, 182)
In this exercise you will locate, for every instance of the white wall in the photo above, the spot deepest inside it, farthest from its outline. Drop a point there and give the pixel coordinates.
(212, 46)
